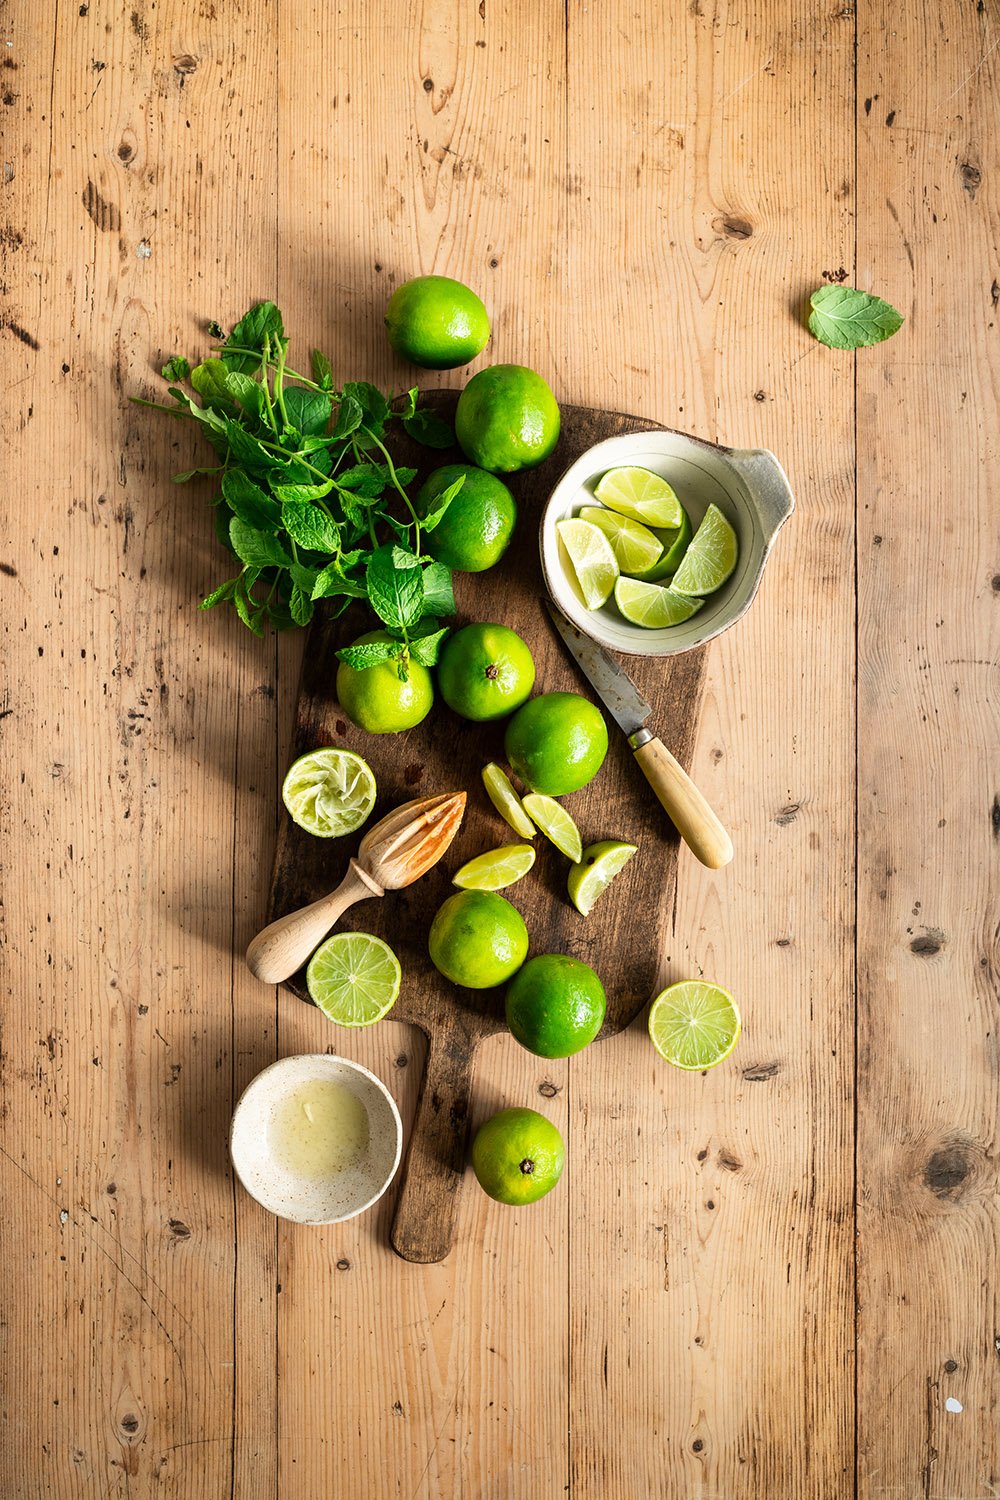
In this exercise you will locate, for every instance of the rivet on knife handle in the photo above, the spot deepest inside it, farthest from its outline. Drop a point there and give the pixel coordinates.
(694, 820)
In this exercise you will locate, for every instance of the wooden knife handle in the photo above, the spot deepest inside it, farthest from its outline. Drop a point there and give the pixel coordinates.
(694, 819)
(424, 1225)
(285, 945)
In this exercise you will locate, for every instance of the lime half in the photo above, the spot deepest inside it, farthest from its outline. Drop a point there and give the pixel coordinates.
(495, 869)
(652, 604)
(329, 792)
(594, 871)
(694, 1024)
(354, 978)
(641, 495)
(675, 544)
(636, 548)
(710, 558)
(556, 824)
(506, 801)
(592, 560)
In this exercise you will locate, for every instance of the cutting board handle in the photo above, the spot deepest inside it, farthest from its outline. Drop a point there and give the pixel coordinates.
(424, 1225)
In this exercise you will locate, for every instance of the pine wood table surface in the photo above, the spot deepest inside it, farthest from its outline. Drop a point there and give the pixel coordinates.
(778, 1281)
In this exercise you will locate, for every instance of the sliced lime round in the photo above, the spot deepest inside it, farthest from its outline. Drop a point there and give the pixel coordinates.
(694, 1024)
(329, 792)
(591, 558)
(641, 495)
(710, 558)
(354, 978)
(506, 801)
(496, 868)
(594, 871)
(653, 605)
(556, 823)
(635, 547)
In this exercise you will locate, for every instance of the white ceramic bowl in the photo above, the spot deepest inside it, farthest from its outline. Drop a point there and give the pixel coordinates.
(300, 1199)
(749, 487)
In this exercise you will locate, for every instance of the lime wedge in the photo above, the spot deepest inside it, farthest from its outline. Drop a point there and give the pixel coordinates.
(641, 495)
(694, 1024)
(496, 868)
(635, 547)
(354, 978)
(595, 870)
(675, 544)
(652, 604)
(710, 558)
(506, 801)
(556, 824)
(329, 792)
(592, 559)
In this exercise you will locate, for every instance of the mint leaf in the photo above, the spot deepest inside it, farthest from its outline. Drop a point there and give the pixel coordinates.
(250, 613)
(349, 417)
(250, 453)
(844, 318)
(262, 322)
(258, 549)
(427, 648)
(302, 494)
(210, 381)
(439, 597)
(177, 368)
(441, 504)
(310, 527)
(190, 473)
(368, 654)
(396, 593)
(425, 426)
(322, 374)
(308, 411)
(224, 591)
(374, 406)
(411, 404)
(300, 606)
(250, 503)
(333, 581)
(402, 557)
(249, 394)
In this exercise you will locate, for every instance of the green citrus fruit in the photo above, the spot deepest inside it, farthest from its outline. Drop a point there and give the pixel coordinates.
(376, 699)
(507, 419)
(485, 672)
(436, 322)
(329, 792)
(477, 939)
(594, 871)
(555, 1005)
(354, 978)
(476, 529)
(518, 1156)
(556, 743)
(694, 1024)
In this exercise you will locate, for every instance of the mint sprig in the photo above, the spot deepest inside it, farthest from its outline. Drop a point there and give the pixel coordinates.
(310, 500)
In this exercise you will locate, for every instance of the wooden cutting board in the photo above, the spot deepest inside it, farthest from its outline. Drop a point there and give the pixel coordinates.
(624, 935)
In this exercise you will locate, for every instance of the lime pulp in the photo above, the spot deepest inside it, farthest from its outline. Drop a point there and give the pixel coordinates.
(329, 792)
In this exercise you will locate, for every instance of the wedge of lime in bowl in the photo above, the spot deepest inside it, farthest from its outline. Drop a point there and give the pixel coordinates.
(597, 866)
(711, 557)
(354, 978)
(652, 604)
(641, 495)
(675, 544)
(591, 559)
(694, 1024)
(496, 869)
(329, 792)
(556, 824)
(506, 801)
(636, 548)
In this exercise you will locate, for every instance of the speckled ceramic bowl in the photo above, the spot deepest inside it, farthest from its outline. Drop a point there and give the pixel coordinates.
(296, 1198)
(749, 487)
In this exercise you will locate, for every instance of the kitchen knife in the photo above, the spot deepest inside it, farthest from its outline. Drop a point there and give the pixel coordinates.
(694, 819)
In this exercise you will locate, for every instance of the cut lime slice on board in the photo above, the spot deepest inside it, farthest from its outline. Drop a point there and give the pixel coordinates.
(495, 869)
(675, 544)
(641, 495)
(593, 873)
(556, 824)
(354, 978)
(653, 605)
(635, 547)
(592, 560)
(710, 558)
(694, 1025)
(329, 792)
(506, 801)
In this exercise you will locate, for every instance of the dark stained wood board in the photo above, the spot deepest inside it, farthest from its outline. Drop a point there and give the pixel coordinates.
(623, 937)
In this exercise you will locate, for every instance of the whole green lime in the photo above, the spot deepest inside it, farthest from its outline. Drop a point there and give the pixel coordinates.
(556, 743)
(436, 322)
(477, 939)
(555, 1005)
(376, 699)
(507, 419)
(518, 1156)
(485, 672)
(475, 530)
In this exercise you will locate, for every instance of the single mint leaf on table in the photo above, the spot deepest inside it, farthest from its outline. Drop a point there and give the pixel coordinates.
(246, 500)
(427, 648)
(368, 654)
(190, 474)
(308, 411)
(844, 318)
(425, 426)
(439, 597)
(258, 549)
(177, 368)
(396, 593)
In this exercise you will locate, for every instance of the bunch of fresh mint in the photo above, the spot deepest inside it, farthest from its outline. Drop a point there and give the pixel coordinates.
(310, 503)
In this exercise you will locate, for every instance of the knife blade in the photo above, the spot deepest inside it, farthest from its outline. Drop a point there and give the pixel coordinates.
(680, 798)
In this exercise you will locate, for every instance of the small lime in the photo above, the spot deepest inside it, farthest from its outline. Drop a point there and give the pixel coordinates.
(376, 699)
(518, 1156)
(556, 743)
(329, 792)
(436, 322)
(507, 419)
(555, 1005)
(477, 526)
(485, 672)
(477, 939)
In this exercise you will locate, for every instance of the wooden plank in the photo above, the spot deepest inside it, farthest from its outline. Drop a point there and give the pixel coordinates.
(136, 735)
(711, 1336)
(929, 1100)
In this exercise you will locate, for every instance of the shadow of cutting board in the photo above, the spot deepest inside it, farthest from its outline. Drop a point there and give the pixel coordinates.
(624, 935)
